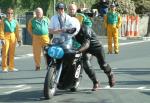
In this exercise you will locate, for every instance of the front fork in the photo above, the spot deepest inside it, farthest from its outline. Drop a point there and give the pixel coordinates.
(58, 72)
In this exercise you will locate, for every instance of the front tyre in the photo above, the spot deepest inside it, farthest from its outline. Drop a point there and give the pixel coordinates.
(50, 84)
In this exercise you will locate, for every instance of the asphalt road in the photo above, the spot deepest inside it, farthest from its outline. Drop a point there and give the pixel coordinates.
(131, 67)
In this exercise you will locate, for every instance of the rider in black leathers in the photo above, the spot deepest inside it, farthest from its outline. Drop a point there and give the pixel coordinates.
(90, 44)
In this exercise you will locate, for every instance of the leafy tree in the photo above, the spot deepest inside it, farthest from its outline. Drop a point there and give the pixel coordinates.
(4, 4)
(21, 6)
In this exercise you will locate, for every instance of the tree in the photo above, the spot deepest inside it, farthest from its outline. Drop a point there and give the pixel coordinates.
(21, 6)
(4, 4)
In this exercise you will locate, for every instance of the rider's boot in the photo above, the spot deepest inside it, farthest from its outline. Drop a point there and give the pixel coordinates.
(110, 75)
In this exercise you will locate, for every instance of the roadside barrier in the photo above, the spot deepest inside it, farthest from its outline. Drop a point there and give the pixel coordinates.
(132, 26)
(132, 23)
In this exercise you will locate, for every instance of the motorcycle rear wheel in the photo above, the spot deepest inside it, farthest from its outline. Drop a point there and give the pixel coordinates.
(75, 88)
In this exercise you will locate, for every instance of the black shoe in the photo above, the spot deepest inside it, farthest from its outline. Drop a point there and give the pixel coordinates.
(109, 52)
(116, 52)
(37, 69)
(111, 80)
(95, 86)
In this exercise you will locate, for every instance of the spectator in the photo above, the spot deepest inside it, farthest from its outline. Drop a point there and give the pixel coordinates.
(60, 21)
(73, 11)
(73, 2)
(112, 22)
(82, 7)
(102, 7)
(38, 29)
(9, 34)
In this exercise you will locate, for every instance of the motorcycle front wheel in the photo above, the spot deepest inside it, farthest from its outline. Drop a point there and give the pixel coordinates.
(50, 84)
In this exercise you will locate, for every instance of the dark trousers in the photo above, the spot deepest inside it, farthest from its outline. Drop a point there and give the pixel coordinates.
(100, 55)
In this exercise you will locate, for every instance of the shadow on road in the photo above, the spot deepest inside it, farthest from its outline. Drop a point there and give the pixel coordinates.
(37, 96)
(19, 97)
(147, 93)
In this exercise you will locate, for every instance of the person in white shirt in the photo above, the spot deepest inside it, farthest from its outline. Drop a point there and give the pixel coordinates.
(59, 22)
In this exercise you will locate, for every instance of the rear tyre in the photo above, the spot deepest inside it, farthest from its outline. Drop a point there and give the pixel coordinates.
(49, 84)
(75, 88)
(77, 75)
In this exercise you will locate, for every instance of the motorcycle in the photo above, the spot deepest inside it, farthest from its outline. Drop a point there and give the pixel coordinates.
(64, 66)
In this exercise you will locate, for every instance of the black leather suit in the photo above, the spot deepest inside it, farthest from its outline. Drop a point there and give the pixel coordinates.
(90, 44)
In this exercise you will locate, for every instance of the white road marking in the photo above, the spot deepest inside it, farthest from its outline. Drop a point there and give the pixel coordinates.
(115, 68)
(24, 56)
(118, 69)
(11, 86)
(107, 86)
(119, 88)
(128, 43)
(16, 90)
(141, 87)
